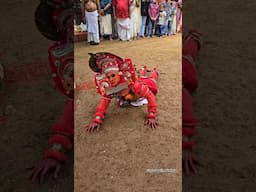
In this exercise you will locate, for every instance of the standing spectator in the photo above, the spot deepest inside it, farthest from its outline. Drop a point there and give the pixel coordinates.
(153, 11)
(179, 16)
(122, 15)
(144, 15)
(161, 20)
(170, 18)
(114, 26)
(138, 17)
(91, 15)
(106, 20)
(134, 4)
(77, 12)
(167, 8)
(173, 23)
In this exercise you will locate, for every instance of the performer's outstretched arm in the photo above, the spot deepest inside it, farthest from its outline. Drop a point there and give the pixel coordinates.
(188, 131)
(60, 142)
(99, 114)
(62, 134)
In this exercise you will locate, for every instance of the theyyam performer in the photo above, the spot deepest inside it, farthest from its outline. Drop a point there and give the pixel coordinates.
(117, 78)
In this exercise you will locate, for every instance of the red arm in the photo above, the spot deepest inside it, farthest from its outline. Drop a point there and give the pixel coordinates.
(62, 134)
(101, 110)
(189, 76)
(188, 120)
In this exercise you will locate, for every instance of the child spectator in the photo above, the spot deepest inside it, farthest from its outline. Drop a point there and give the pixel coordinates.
(153, 11)
(174, 23)
(161, 20)
(170, 17)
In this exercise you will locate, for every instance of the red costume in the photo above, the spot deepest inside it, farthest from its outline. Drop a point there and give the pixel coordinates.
(190, 49)
(54, 19)
(129, 86)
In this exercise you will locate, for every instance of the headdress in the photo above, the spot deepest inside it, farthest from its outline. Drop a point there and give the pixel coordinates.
(102, 63)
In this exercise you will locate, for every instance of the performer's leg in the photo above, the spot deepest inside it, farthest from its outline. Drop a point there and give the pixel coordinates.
(143, 71)
(154, 74)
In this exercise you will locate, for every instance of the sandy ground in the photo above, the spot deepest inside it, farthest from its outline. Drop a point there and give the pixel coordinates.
(225, 101)
(116, 158)
(32, 105)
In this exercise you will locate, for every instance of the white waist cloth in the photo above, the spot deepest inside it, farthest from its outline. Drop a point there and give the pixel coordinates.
(92, 21)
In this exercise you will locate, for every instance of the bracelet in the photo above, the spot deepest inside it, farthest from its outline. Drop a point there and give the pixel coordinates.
(191, 131)
(188, 144)
(61, 140)
(59, 156)
(98, 119)
(57, 147)
(151, 116)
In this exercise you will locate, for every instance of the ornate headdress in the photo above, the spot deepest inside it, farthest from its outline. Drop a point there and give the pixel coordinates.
(102, 63)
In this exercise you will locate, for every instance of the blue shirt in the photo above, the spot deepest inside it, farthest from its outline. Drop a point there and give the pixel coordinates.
(103, 4)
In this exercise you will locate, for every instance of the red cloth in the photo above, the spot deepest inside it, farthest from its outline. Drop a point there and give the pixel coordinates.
(188, 118)
(59, 156)
(101, 109)
(121, 8)
(190, 47)
(189, 76)
(64, 127)
(188, 144)
(143, 91)
(138, 87)
(190, 50)
(65, 124)
(150, 83)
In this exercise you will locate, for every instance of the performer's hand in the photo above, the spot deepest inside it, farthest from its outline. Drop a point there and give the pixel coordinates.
(189, 162)
(44, 166)
(151, 123)
(93, 127)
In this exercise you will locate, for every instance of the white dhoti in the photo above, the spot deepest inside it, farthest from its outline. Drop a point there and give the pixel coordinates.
(174, 25)
(123, 29)
(92, 26)
(106, 25)
(133, 20)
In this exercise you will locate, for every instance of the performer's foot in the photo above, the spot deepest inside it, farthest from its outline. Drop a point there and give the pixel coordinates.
(140, 102)
(156, 70)
(154, 74)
